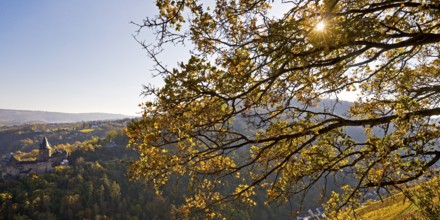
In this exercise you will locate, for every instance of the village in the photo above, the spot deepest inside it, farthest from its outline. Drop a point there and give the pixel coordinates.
(47, 159)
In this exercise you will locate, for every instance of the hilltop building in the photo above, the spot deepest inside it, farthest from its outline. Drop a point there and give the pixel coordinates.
(46, 161)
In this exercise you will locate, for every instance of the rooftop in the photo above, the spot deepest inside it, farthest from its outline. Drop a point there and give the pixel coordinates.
(45, 144)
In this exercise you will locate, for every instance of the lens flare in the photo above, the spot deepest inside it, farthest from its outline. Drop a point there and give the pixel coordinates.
(320, 26)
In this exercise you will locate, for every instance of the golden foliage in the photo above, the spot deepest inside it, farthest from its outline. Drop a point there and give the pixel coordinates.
(257, 103)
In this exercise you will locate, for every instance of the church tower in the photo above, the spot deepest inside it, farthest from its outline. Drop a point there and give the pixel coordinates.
(44, 150)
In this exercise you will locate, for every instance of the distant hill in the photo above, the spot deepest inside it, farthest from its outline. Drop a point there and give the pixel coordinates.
(17, 117)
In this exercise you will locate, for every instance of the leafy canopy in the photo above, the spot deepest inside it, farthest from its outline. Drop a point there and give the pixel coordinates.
(256, 107)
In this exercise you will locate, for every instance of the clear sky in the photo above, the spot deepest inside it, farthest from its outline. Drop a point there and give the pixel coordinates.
(73, 55)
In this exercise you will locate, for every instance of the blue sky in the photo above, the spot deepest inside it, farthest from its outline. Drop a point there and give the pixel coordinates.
(73, 55)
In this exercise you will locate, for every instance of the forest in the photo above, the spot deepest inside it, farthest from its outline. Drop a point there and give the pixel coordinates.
(96, 185)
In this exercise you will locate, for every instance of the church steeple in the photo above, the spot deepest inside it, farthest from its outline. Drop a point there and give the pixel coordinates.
(44, 151)
(45, 144)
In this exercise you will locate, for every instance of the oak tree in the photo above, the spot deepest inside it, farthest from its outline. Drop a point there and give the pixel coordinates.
(256, 107)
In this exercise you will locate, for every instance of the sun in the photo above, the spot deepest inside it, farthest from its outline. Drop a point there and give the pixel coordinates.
(320, 26)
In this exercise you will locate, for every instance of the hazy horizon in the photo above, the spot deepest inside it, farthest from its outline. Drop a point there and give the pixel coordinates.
(31, 110)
